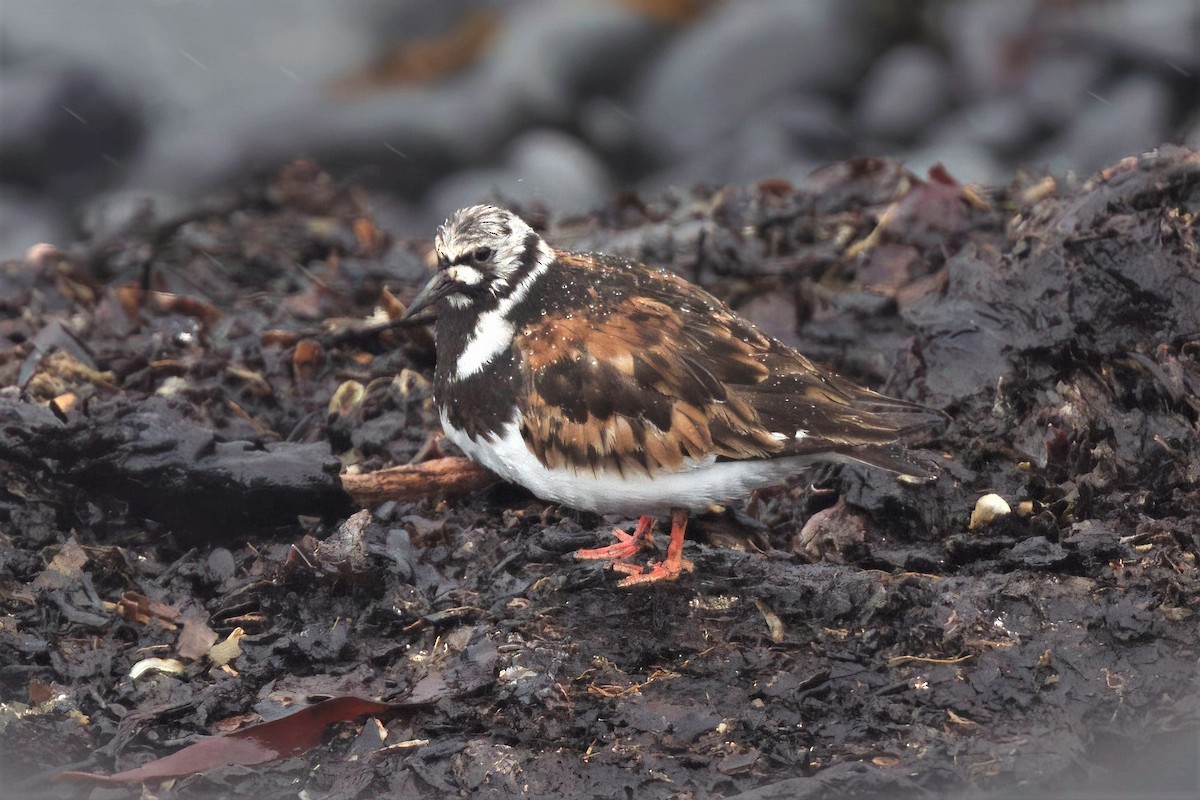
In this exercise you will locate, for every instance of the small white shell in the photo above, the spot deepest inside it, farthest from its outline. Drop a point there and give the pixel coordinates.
(987, 508)
(170, 666)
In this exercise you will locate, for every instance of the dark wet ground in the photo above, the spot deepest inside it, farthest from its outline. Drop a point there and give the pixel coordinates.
(165, 418)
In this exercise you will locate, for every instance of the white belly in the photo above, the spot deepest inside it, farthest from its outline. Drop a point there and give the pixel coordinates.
(697, 486)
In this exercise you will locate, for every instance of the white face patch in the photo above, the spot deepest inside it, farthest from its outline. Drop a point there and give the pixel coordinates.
(462, 274)
(493, 332)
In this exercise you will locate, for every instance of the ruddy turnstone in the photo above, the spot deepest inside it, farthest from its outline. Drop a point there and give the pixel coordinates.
(609, 386)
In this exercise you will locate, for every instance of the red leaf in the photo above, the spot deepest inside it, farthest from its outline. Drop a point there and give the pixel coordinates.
(279, 738)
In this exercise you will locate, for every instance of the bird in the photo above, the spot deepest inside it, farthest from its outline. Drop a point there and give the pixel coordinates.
(606, 385)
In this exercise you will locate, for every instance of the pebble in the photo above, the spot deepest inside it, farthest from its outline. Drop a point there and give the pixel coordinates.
(542, 166)
(718, 72)
(1124, 119)
(550, 54)
(64, 127)
(987, 508)
(905, 91)
(1157, 31)
(125, 211)
(966, 162)
(1058, 84)
(1192, 138)
(25, 220)
(1001, 125)
(785, 140)
(571, 100)
(980, 35)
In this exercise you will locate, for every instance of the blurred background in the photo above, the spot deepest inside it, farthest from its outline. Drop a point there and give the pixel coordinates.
(112, 110)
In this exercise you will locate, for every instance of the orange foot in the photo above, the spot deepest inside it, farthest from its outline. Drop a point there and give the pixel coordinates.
(627, 545)
(669, 568)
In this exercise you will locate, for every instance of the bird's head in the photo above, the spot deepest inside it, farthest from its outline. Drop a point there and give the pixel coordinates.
(485, 255)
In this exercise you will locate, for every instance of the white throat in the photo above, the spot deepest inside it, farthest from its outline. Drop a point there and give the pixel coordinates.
(494, 332)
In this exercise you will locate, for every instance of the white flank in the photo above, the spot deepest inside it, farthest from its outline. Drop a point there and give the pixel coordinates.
(493, 332)
(697, 486)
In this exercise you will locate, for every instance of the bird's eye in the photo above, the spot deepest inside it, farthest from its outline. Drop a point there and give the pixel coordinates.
(482, 254)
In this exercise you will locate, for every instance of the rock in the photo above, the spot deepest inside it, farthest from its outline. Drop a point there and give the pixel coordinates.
(1002, 124)
(550, 54)
(787, 140)
(403, 140)
(966, 162)
(66, 128)
(1125, 119)
(979, 34)
(546, 57)
(122, 212)
(903, 94)
(607, 124)
(542, 166)
(1057, 84)
(724, 68)
(25, 220)
(1161, 31)
(1192, 137)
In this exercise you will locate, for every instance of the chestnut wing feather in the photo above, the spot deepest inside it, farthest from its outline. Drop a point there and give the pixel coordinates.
(669, 373)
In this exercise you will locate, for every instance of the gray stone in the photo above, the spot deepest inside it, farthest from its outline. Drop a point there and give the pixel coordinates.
(65, 128)
(1166, 30)
(26, 220)
(546, 55)
(124, 211)
(403, 140)
(979, 34)
(1192, 136)
(542, 166)
(904, 93)
(607, 124)
(550, 53)
(1057, 84)
(786, 140)
(1002, 124)
(721, 70)
(781, 141)
(1124, 119)
(966, 163)
(186, 58)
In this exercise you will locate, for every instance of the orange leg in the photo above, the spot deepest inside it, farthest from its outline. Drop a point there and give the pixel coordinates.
(627, 545)
(669, 568)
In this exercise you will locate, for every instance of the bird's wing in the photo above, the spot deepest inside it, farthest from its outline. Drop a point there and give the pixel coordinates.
(668, 373)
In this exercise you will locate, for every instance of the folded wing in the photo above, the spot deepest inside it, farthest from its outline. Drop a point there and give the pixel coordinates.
(668, 376)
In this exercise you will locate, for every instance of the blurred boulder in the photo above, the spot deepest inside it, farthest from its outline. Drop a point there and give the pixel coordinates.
(904, 92)
(1125, 119)
(1003, 125)
(719, 72)
(65, 129)
(1057, 84)
(550, 55)
(542, 166)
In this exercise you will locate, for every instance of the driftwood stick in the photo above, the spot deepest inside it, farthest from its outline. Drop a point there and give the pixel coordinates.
(445, 477)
